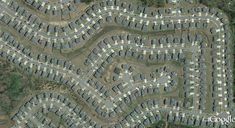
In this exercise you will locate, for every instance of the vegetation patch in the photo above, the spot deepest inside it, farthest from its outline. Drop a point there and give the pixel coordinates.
(87, 1)
(153, 3)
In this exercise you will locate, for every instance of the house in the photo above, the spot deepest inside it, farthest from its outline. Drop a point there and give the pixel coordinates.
(90, 31)
(130, 7)
(118, 20)
(149, 12)
(144, 27)
(140, 9)
(120, 87)
(192, 24)
(125, 22)
(185, 25)
(109, 19)
(101, 21)
(143, 91)
(140, 57)
(97, 126)
(110, 3)
(138, 25)
(178, 25)
(6, 19)
(132, 24)
(146, 122)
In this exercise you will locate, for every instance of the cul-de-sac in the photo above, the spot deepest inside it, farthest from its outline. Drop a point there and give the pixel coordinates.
(117, 64)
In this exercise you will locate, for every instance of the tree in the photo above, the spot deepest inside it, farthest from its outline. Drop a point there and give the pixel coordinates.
(14, 88)
(153, 3)
(87, 1)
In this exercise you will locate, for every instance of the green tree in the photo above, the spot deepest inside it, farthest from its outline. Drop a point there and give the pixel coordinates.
(14, 88)
(87, 1)
(153, 3)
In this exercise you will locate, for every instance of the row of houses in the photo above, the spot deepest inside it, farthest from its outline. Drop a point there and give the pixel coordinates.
(40, 57)
(221, 65)
(193, 119)
(70, 43)
(139, 117)
(125, 51)
(38, 106)
(61, 9)
(55, 103)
